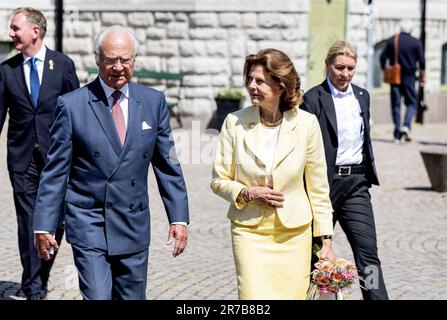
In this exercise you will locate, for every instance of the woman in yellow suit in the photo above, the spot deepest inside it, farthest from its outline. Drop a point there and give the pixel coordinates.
(270, 165)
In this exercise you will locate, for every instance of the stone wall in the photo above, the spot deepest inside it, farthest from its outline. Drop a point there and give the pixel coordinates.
(208, 47)
(207, 40)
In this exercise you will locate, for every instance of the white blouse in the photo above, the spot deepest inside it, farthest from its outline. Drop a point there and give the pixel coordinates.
(269, 142)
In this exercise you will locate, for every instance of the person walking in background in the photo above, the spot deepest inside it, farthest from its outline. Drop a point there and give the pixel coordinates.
(264, 153)
(343, 113)
(30, 83)
(103, 139)
(410, 57)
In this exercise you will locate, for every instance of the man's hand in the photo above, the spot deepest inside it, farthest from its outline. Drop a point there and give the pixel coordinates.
(422, 78)
(180, 234)
(44, 242)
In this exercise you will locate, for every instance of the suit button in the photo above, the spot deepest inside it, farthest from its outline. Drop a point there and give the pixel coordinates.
(34, 135)
(145, 155)
(131, 206)
(96, 154)
(108, 205)
(133, 183)
(110, 181)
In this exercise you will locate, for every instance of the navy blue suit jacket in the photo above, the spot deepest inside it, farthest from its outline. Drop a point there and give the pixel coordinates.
(409, 54)
(28, 125)
(103, 183)
(318, 101)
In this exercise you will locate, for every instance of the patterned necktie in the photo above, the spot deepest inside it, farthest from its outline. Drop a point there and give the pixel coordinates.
(118, 117)
(34, 81)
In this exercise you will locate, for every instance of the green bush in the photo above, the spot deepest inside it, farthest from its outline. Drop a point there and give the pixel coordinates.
(231, 92)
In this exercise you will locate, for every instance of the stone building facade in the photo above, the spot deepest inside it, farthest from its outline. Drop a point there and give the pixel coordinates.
(207, 40)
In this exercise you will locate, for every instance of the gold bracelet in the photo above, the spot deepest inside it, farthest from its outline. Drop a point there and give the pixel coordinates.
(246, 195)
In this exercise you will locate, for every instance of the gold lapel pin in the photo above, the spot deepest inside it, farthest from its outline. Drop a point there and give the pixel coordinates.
(50, 64)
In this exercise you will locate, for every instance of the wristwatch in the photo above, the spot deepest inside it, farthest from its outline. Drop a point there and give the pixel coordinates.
(326, 237)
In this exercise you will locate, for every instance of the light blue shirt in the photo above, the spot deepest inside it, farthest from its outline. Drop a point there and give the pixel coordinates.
(124, 99)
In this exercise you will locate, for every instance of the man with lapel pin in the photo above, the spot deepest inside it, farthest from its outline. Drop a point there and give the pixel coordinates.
(103, 139)
(30, 83)
(342, 110)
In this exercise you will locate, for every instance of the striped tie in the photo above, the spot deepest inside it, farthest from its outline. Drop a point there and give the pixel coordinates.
(118, 117)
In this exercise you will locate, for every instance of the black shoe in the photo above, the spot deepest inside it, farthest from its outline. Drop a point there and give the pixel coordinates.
(34, 296)
(43, 293)
(20, 294)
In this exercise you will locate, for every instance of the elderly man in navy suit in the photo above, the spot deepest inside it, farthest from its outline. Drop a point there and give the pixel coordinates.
(103, 139)
(30, 83)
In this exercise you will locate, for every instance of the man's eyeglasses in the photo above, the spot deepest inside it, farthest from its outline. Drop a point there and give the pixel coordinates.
(126, 62)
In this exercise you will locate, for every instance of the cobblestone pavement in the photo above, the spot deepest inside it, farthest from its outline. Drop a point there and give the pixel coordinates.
(411, 220)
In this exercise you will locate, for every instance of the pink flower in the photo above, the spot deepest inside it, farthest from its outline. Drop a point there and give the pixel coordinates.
(333, 276)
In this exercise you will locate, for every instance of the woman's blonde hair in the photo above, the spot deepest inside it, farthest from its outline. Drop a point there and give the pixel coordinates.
(340, 48)
(281, 69)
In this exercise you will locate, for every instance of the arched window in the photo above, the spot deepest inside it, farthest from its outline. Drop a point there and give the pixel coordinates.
(444, 64)
(377, 71)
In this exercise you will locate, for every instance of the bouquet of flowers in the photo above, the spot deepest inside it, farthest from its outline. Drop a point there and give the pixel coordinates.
(332, 277)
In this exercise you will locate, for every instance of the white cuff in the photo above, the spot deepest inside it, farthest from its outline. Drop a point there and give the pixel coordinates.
(182, 223)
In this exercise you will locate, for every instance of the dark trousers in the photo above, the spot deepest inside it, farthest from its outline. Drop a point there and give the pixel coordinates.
(353, 210)
(407, 90)
(25, 184)
(105, 277)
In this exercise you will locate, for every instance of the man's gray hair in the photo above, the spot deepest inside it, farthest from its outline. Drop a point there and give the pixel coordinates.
(116, 29)
(406, 26)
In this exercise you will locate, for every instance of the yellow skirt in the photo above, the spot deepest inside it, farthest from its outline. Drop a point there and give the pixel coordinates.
(272, 261)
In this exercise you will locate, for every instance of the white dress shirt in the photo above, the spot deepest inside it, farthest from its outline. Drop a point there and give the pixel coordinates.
(40, 60)
(124, 99)
(350, 127)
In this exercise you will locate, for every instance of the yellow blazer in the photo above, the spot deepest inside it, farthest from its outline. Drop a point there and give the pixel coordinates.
(299, 153)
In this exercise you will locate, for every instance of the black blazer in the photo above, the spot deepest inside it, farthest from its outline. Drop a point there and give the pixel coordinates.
(318, 101)
(26, 124)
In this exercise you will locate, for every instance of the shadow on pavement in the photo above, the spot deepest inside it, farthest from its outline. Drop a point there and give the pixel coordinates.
(442, 144)
(419, 189)
(429, 143)
(382, 140)
(10, 291)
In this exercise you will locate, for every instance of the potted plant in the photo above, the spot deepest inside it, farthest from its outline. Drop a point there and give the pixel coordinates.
(227, 101)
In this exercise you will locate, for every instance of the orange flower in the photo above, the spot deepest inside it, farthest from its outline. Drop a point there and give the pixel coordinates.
(323, 281)
(336, 276)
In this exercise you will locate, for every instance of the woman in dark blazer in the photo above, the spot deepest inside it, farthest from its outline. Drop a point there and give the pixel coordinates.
(342, 110)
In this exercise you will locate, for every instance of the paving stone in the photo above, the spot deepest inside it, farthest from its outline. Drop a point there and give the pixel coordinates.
(410, 218)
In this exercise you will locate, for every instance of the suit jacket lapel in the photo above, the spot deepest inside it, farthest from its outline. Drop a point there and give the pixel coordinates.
(47, 75)
(286, 142)
(98, 103)
(21, 82)
(328, 106)
(133, 125)
(360, 95)
(253, 134)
